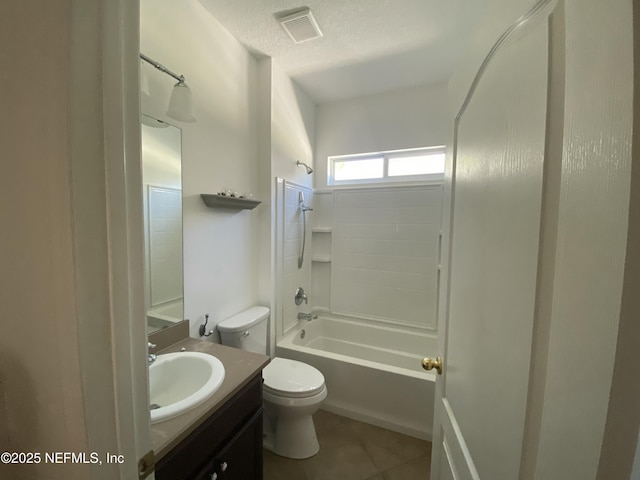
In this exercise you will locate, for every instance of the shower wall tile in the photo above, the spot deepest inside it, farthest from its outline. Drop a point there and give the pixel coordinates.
(323, 209)
(165, 244)
(385, 253)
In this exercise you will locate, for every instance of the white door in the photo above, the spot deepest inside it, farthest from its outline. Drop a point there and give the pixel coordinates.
(496, 212)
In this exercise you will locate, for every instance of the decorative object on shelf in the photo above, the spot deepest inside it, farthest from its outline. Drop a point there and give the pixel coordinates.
(225, 201)
(181, 101)
(228, 193)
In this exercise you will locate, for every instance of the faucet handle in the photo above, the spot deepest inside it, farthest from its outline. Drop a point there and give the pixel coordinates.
(301, 296)
(151, 345)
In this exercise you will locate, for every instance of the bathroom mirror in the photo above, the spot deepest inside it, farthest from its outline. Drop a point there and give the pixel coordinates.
(162, 200)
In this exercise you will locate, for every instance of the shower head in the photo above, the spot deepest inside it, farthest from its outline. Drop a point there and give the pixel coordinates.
(302, 164)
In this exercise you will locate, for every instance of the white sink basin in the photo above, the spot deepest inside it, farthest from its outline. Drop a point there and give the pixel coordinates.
(181, 381)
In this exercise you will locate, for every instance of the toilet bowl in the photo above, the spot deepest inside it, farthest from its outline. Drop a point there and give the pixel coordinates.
(292, 391)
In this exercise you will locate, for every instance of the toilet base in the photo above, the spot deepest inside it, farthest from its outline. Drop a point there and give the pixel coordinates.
(291, 437)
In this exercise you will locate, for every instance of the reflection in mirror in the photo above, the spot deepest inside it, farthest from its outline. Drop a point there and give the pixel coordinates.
(162, 193)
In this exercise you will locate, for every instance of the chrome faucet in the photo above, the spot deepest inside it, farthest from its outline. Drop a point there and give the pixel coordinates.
(151, 357)
(307, 316)
(301, 296)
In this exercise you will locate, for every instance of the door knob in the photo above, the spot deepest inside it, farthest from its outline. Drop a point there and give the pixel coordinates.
(429, 364)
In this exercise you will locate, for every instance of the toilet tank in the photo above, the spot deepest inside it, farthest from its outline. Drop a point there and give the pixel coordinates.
(246, 330)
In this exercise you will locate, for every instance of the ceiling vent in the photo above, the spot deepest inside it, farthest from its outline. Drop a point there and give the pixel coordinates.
(300, 25)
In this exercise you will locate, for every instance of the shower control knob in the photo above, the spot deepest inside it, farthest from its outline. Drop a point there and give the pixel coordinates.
(214, 476)
(429, 364)
(223, 467)
(301, 296)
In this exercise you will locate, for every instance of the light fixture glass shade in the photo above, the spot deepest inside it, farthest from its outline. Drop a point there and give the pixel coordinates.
(181, 103)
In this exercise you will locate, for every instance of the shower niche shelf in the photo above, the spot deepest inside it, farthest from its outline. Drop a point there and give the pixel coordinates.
(320, 259)
(321, 245)
(223, 201)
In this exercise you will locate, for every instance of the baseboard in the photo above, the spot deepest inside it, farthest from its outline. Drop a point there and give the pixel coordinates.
(377, 421)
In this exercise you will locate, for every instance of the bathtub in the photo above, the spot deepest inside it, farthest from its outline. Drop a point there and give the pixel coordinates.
(166, 314)
(373, 373)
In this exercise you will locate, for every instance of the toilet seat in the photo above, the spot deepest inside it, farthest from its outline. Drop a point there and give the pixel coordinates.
(292, 379)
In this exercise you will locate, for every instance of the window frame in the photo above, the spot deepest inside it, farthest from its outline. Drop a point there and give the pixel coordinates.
(386, 156)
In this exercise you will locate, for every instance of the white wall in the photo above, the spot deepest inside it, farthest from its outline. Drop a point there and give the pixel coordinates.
(414, 117)
(266, 187)
(218, 151)
(286, 133)
(253, 124)
(498, 16)
(408, 118)
(292, 139)
(293, 117)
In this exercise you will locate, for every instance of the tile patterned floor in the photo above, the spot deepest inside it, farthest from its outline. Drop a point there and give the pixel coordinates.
(351, 450)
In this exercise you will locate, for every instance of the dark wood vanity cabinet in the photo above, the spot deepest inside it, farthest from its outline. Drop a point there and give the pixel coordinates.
(239, 459)
(226, 446)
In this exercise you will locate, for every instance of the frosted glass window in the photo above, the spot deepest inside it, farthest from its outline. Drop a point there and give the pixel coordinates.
(359, 169)
(416, 165)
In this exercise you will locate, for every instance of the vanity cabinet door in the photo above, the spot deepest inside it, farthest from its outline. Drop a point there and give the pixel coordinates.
(199, 455)
(241, 457)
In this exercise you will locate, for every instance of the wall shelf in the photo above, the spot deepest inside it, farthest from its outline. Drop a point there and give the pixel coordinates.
(223, 201)
(321, 229)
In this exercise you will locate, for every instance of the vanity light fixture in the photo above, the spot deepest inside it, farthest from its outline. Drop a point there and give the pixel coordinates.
(181, 101)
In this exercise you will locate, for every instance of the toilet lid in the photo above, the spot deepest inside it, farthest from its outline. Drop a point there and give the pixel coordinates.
(290, 378)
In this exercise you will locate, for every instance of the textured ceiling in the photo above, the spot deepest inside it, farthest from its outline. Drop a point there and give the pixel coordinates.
(369, 46)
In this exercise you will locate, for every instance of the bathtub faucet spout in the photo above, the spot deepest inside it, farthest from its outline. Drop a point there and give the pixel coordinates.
(307, 316)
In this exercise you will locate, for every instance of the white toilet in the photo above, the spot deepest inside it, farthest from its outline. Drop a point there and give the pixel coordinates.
(292, 390)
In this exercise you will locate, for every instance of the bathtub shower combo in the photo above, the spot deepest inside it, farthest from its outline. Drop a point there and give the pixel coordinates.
(371, 273)
(372, 373)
